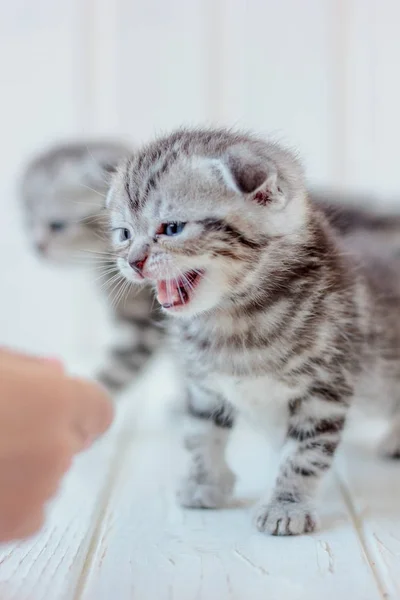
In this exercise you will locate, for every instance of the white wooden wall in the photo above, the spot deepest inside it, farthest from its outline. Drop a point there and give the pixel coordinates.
(321, 75)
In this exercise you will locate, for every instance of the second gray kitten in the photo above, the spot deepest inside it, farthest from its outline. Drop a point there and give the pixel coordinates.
(271, 313)
(63, 194)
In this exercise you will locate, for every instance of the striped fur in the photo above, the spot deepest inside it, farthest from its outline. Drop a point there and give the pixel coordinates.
(286, 325)
(66, 185)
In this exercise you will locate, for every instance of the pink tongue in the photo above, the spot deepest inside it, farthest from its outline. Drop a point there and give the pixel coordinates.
(167, 292)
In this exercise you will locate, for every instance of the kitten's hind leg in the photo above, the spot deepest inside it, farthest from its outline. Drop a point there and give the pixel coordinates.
(209, 481)
(390, 447)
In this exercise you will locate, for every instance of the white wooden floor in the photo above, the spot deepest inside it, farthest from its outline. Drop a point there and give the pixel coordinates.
(115, 531)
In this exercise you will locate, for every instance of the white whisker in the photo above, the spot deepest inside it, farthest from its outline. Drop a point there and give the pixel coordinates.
(100, 253)
(119, 294)
(179, 290)
(152, 304)
(109, 283)
(114, 292)
(127, 292)
(169, 292)
(104, 275)
(93, 190)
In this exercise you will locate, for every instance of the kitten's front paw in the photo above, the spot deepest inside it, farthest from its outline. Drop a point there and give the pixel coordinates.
(286, 518)
(206, 490)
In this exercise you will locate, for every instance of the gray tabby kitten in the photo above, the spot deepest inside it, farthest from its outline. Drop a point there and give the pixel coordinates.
(270, 316)
(63, 192)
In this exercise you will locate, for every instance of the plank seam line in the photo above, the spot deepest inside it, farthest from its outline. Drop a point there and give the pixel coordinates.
(359, 529)
(117, 463)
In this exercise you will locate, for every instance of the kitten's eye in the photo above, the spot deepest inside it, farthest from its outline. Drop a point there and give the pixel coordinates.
(124, 234)
(56, 226)
(171, 229)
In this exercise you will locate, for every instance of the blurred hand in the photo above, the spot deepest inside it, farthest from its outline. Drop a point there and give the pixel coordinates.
(46, 417)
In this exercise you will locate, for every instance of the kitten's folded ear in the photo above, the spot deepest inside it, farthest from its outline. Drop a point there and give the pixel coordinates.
(256, 178)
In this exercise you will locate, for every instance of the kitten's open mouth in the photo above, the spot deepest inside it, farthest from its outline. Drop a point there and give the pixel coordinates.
(177, 292)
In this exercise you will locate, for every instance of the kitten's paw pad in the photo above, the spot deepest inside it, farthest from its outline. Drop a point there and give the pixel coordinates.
(390, 447)
(286, 518)
(206, 492)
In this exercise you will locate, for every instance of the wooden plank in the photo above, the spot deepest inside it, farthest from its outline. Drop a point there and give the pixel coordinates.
(279, 76)
(371, 94)
(50, 565)
(150, 548)
(386, 48)
(96, 67)
(162, 66)
(357, 57)
(39, 103)
(53, 564)
(371, 487)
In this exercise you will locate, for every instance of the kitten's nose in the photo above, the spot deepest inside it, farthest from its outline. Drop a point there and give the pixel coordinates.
(138, 265)
(41, 247)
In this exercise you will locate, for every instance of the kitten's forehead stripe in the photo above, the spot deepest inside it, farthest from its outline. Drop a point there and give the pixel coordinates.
(158, 165)
(127, 179)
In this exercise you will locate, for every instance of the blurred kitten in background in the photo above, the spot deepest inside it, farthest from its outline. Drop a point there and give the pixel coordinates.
(63, 194)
